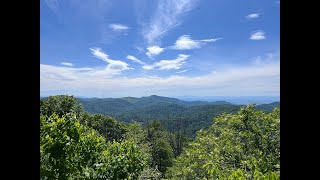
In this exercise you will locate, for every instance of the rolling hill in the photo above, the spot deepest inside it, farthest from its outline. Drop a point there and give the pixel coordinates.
(175, 114)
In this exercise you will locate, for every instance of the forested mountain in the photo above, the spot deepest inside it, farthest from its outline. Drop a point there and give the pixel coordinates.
(190, 116)
(116, 106)
(268, 107)
(242, 144)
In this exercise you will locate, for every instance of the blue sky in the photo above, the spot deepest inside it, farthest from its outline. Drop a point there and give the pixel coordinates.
(117, 48)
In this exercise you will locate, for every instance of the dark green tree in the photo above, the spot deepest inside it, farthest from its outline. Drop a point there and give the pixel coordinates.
(162, 154)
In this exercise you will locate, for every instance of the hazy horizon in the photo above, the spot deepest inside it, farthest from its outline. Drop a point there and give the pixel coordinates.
(230, 99)
(150, 95)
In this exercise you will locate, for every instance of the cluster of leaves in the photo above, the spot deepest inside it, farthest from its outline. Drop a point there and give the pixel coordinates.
(138, 134)
(108, 127)
(76, 145)
(245, 145)
(60, 105)
(157, 144)
(70, 150)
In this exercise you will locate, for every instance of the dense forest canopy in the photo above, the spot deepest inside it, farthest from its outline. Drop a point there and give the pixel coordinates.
(240, 142)
(172, 112)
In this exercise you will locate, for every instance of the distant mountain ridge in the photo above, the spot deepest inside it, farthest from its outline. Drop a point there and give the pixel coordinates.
(241, 100)
(116, 106)
(172, 112)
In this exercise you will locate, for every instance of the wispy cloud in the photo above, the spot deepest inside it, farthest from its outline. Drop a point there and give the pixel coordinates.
(185, 42)
(168, 64)
(253, 16)
(258, 35)
(183, 71)
(53, 5)
(114, 66)
(167, 16)
(109, 33)
(66, 64)
(210, 40)
(153, 51)
(134, 59)
(118, 27)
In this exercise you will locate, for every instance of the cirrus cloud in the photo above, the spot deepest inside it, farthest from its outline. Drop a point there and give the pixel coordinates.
(66, 64)
(168, 15)
(118, 27)
(258, 35)
(253, 16)
(168, 64)
(185, 42)
(134, 59)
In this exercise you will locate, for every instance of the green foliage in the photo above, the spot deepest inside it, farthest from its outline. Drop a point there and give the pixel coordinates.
(161, 150)
(70, 150)
(150, 173)
(241, 144)
(137, 134)
(108, 127)
(176, 117)
(245, 145)
(121, 161)
(59, 105)
(162, 154)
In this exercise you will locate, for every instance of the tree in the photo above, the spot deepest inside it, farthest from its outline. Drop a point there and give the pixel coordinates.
(161, 150)
(137, 134)
(60, 105)
(245, 145)
(71, 150)
(162, 154)
(108, 127)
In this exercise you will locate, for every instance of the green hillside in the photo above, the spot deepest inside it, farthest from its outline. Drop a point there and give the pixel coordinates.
(190, 116)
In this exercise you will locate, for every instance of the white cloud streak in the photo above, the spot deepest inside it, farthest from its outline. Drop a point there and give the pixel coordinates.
(253, 16)
(183, 71)
(168, 64)
(114, 66)
(167, 16)
(185, 42)
(118, 27)
(66, 64)
(257, 35)
(153, 51)
(134, 59)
